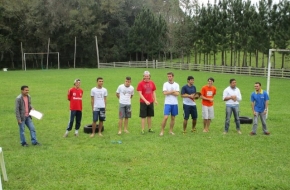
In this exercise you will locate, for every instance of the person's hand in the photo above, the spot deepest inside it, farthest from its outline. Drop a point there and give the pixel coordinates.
(255, 113)
(265, 112)
(210, 99)
(155, 102)
(234, 98)
(147, 103)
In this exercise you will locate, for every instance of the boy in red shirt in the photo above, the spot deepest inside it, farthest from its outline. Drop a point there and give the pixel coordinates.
(207, 93)
(75, 95)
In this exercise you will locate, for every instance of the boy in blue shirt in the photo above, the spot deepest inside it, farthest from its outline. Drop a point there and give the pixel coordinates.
(259, 102)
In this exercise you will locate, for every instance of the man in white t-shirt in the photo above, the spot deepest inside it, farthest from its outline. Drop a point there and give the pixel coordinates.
(124, 93)
(98, 102)
(171, 91)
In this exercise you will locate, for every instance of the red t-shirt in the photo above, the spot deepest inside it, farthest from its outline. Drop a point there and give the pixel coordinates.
(208, 92)
(147, 89)
(75, 95)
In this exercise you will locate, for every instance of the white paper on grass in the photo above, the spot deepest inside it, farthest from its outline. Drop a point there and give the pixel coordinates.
(36, 114)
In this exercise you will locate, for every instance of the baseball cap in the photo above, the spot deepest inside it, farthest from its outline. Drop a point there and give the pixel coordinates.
(146, 73)
(77, 80)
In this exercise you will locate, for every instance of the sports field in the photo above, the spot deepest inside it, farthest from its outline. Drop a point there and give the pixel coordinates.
(192, 161)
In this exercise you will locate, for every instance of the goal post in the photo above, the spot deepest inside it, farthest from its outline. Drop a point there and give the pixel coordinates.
(24, 57)
(269, 69)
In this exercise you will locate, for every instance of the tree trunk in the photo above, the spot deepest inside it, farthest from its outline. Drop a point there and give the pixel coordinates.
(257, 58)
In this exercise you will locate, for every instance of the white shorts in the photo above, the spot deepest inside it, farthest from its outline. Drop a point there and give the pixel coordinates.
(207, 112)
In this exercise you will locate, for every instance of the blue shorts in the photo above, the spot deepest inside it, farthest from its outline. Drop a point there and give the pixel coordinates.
(189, 110)
(99, 115)
(173, 109)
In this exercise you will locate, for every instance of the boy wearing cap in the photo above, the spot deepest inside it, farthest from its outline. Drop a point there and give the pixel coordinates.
(189, 106)
(75, 95)
(146, 89)
(207, 93)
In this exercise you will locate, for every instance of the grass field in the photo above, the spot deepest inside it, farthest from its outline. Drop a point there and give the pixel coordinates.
(192, 161)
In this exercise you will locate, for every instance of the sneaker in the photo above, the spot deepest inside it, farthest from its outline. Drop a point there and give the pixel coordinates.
(225, 132)
(151, 131)
(24, 145)
(119, 133)
(252, 133)
(193, 130)
(37, 143)
(142, 132)
(239, 132)
(65, 135)
(161, 134)
(266, 133)
(126, 131)
(171, 133)
(76, 134)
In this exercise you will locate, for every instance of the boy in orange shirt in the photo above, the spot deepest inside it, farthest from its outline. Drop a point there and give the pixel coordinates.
(207, 94)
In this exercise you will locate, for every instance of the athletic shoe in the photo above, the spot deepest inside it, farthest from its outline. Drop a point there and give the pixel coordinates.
(126, 131)
(76, 134)
(142, 132)
(151, 131)
(225, 132)
(37, 143)
(65, 135)
(193, 130)
(252, 133)
(161, 134)
(171, 133)
(24, 145)
(266, 133)
(239, 132)
(119, 133)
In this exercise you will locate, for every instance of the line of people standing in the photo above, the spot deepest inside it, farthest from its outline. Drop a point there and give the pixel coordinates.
(146, 90)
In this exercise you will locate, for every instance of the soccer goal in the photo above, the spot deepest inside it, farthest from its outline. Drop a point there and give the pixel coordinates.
(24, 58)
(269, 68)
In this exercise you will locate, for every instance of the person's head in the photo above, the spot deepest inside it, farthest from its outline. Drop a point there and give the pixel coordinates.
(24, 90)
(233, 83)
(257, 86)
(128, 81)
(146, 76)
(77, 83)
(210, 81)
(170, 76)
(190, 80)
(100, 82)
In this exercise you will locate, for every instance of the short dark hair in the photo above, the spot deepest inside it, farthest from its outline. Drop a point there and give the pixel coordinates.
(190, 77)
(99, 78)
(23, 87)
(231, 80)
(210, 78)
(170, 73)
(258, 83)
(128, 78)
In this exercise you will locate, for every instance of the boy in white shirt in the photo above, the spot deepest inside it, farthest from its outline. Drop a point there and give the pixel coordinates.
(171, 91)
(124, 93)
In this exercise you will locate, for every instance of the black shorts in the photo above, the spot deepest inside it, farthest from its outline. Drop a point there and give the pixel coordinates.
(146, 110)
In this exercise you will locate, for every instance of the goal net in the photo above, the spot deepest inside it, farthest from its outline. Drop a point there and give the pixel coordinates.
(44, 60)
(269, 68)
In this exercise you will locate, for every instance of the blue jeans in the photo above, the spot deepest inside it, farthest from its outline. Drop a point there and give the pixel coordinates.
(263, 120)
(28, 122)
(229, 111)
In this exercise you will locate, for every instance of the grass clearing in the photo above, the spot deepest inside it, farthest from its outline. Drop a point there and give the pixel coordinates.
(191, 161)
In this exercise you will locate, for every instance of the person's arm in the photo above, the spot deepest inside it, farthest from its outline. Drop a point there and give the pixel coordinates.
(68, 95)
(154, 96)
(118, 95)
(105, 100)
(239, 96)
(142, 97)
(17, 112)
(266, 106)
(226, 97)
(175, 93)
(92, 102)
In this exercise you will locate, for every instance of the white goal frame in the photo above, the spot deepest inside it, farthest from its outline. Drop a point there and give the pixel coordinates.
(42, 54)
(269, 70)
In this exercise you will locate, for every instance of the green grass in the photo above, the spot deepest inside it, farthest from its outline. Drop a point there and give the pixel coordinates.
(191, 161)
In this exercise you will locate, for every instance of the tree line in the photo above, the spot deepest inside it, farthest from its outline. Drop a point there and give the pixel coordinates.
(143, 29)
